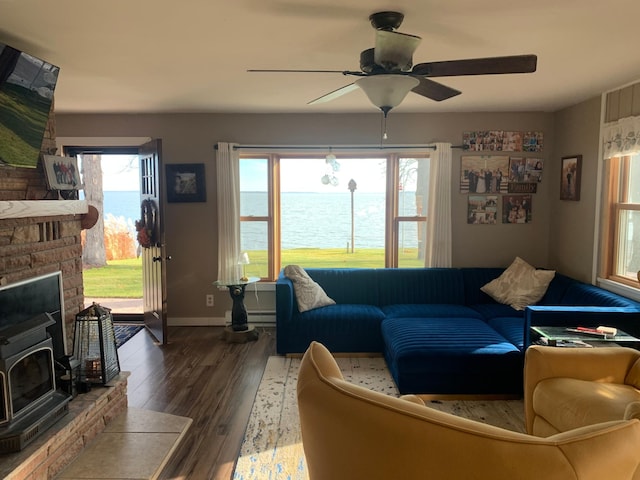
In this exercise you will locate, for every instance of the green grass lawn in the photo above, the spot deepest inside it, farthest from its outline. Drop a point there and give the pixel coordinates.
(119, 279)
(331, 257)
(123, 278)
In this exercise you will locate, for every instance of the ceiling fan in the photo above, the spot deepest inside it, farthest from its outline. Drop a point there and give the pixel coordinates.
(387, 73)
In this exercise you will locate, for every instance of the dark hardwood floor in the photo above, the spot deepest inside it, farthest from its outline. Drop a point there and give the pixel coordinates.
(198, 375)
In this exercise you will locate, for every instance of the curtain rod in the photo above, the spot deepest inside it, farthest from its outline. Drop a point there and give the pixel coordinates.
(350, 147)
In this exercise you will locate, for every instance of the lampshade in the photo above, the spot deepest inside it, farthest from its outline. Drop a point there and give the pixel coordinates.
(243, 259)
(387, 91)
(394, 50)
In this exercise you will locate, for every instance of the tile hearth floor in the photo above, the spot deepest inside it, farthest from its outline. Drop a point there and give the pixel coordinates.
(135, 445)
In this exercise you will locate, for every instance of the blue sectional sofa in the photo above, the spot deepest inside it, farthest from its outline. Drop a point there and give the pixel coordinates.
(438, 331)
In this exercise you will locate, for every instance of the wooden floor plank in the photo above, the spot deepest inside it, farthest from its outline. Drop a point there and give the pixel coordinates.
(200, 376)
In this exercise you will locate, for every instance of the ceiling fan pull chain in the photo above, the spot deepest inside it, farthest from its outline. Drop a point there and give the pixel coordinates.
(383, 130)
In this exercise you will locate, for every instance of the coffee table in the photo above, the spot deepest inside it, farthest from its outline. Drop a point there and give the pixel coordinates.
(564, 337)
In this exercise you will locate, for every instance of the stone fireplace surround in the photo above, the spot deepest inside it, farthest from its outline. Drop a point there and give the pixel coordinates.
(57, 447)
(40, 235)
(31, 245)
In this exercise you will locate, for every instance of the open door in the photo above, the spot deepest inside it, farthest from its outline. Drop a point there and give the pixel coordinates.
(154, 281)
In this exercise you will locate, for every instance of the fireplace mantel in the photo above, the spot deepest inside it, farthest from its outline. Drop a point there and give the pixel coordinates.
(41, 208)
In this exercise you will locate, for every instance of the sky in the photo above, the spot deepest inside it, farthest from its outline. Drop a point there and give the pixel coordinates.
(120, 173)
(306, 175)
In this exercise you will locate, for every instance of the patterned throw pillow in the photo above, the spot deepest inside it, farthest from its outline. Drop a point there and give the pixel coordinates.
(519, 285)
(308, 293)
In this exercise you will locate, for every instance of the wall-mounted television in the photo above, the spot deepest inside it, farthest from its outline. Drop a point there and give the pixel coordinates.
(27, 84)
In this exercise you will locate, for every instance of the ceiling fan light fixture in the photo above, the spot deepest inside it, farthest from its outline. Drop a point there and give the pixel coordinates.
(387, 91)
(394, 50)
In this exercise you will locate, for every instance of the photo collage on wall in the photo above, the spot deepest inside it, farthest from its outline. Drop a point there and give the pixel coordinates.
(501, 180)
(502, 141)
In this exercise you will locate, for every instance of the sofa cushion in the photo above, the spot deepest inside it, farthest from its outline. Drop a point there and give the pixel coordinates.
(348, 285)
(519, 285)
(309, 294)
(568, 403)
(578, 294)
(474, 279)
(428, 310)
(420, 285)
(556, 290)
(450, 356)
(493, 310)
(345, 328)
(511, 328)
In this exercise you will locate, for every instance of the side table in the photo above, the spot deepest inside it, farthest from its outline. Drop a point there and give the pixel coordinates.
(239, 331)
(560, 336)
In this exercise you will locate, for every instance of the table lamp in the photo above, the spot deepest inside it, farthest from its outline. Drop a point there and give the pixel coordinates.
(243, 260)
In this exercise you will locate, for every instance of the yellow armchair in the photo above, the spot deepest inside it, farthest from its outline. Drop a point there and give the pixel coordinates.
(566, 388)
(351, 432)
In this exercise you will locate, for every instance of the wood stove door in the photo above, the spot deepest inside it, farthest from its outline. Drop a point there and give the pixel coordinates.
(154, 257)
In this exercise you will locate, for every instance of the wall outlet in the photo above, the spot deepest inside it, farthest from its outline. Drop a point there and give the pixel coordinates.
(209, 299)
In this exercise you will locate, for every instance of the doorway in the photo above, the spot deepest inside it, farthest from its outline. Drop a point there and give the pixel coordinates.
(112, 263)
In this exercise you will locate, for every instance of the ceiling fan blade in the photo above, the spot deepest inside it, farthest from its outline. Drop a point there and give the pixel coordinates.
(345, 72)
(335, 94)
(478, 66)
(434, 90)
(394, 50)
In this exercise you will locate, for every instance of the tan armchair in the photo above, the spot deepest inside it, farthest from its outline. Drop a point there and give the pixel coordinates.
(350, 432)
(566, 388)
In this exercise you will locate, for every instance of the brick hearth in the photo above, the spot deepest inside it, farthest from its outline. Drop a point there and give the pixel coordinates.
(58, 446)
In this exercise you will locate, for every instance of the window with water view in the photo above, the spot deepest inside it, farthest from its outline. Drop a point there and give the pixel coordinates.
(320, 211)
(624, 251)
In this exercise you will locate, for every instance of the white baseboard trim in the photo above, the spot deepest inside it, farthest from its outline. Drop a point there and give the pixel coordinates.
(196, 322)
(262, 319)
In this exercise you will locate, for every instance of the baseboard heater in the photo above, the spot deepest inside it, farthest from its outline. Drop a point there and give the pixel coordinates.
(256, 317)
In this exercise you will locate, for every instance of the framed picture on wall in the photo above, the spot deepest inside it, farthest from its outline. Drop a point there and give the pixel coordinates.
(570, 177)
(483, 174)
(516, 208)
(482, 209)
(185, 183)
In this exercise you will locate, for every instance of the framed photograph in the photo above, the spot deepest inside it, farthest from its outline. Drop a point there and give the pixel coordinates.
(570, 177)
(483, 173)
(482, 209)
(516, 208)
(185, 182)
(61, 172)
(533, 170)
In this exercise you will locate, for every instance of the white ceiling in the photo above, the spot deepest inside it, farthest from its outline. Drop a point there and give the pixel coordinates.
(192, 55)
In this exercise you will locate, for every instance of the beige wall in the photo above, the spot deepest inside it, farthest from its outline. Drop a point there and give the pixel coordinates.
(190, 138)
(571, 238)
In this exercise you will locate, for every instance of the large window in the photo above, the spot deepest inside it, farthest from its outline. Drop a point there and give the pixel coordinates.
(321, 211)
(622, 220)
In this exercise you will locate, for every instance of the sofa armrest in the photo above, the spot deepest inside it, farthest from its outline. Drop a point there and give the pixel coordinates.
(624, 318)
(286, 303)
(606, 364)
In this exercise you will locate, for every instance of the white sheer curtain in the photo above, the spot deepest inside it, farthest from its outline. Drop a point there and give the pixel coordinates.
(228, 196)
(621, 137)
(438, 244)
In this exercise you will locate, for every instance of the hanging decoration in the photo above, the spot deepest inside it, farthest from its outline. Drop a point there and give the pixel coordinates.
(332, 168)
(147, 225)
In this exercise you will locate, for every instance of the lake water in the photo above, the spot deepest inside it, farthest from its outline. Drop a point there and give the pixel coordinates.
(311, 220)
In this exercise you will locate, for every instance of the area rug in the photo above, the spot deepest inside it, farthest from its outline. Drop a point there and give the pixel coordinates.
(272, 446)
(124, 332)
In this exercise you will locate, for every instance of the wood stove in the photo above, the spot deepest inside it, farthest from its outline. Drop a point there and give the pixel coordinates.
(29, 402)
(32, 343)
